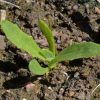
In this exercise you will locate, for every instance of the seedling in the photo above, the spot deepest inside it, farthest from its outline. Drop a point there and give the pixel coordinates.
(48, 55)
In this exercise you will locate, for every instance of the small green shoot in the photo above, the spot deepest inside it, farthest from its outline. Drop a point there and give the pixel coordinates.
(48, 34)
(26, 42)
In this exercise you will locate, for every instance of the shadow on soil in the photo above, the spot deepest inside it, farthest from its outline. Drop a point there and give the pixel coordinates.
(8, 67)
(77, 62)
(15, 83)
(84, 24)
(12, 83)
(19, 82)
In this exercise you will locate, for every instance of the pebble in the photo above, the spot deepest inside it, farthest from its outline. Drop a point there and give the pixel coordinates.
(71, 93)
(2, 43)
(76, 75)
(79, 39)
(3, 14)
(58, 41)
(75, 7)
(29, 1)
(98, 1)
(8, 91)
(24, 99)
(97, 10)
(49, 88)
(29, 87)
(61, 91)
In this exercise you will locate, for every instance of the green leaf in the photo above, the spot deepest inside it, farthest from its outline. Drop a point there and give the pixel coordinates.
(20, 39)
(47, 54)
(78, 50)
(48, 34)
(36, 69)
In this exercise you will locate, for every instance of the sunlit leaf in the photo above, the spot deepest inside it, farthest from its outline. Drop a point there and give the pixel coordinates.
(20, 39)
(47, 54)
(78, 50)
(36, 69)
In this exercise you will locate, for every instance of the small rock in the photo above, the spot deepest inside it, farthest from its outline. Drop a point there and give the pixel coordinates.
(50, 88)
(61, 91)
(3, 15)
(29, 87)
(98, 1)
(8, 91)
(24, 99)
(97, 10)
(29, 1)
(71, 93)
(79, 39)
(76, 75)
(58, 41)
(2, 43)
(75, 7)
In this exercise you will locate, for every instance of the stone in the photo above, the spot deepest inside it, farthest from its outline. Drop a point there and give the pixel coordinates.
(2, 43)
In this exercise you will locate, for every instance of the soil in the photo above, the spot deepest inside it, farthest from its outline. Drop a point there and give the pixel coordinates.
(70, 21)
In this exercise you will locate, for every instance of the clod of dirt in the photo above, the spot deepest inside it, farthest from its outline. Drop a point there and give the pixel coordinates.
(23, 72)
(86, 71)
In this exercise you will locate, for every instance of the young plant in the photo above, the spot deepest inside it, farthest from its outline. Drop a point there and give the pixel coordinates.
(26, 43)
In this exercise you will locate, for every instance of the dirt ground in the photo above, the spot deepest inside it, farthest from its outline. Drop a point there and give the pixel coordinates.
(70, 21)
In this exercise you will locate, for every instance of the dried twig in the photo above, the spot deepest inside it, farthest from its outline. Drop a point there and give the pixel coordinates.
(3, 1)
(95, 88)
